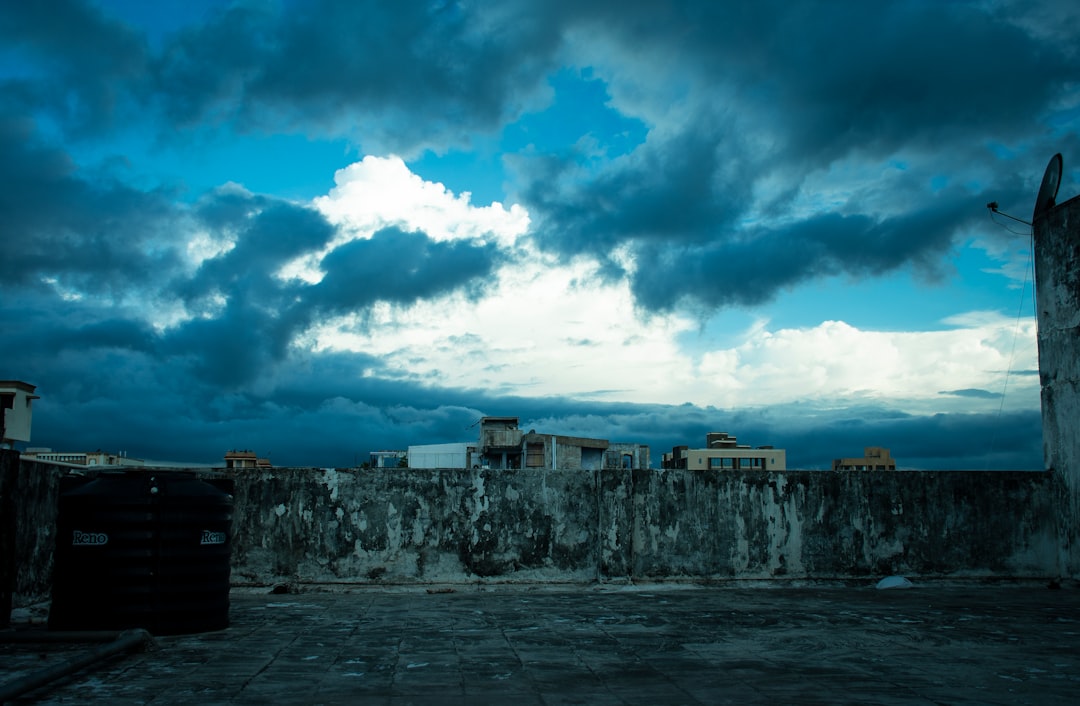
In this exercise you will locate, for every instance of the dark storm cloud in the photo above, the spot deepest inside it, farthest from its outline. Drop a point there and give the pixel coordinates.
(400, 267)
(81, 67)
(738, 97)
(406, 74)
(820, 79)
(867, 76)
(666, 192)
(750, 268)
(772, 94)
(827, 78)
(230, 378)
(263, 314)
(324, 411)
(991, 441)
(811, 437)
(265, 234)
(109, 243)
(269, 232)
(400, 76)
(95, 234)
(110, 334)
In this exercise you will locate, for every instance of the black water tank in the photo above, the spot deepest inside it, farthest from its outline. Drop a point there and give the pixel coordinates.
(142, 549)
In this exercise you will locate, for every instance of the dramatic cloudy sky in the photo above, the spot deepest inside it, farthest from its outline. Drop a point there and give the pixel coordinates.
(318, 228)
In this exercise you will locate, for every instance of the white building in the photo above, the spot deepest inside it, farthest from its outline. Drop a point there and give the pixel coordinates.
(456, 455)
(81, 458)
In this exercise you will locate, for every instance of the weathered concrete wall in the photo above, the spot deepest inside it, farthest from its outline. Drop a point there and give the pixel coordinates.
(414, 525)
(456, 526)
(847, 524)
(1057, 288)
(33, 492)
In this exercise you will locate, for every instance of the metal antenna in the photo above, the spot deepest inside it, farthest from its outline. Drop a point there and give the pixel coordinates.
(994, 208)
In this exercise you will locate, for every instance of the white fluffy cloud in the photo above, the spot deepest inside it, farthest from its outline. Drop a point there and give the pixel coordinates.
(381, 192)
(916, 370)
(544, 329)
(550, 328)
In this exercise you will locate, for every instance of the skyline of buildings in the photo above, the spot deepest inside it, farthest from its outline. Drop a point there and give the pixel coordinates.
(500, 444)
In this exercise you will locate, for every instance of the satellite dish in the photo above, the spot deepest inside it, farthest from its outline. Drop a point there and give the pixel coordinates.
(1048, 191)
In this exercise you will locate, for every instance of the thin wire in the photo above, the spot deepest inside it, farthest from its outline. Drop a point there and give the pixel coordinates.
(1016, 333)
(1006, 226)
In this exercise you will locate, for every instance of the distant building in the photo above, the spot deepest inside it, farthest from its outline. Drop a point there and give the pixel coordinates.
(386, 459)
(245, 459)
(627, 456)
(16, 411)
(82, 458)
(454, 455)
(502, 444)
(103, 459)
(875, 458)
(722, 452)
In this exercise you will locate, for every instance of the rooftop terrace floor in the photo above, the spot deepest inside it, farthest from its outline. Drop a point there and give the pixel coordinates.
(954, 644)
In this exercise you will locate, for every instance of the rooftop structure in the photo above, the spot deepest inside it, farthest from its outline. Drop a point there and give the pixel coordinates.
(501, 443)
(83, 458)
(16, 411)
(245, 459)
(722, 452)
(1057, 288)
(874, 458)
(386, 459)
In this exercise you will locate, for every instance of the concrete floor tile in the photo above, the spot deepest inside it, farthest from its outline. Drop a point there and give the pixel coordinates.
(959, 645)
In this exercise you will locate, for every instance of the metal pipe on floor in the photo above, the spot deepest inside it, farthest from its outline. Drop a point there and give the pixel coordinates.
(49, 637)
(125, 642)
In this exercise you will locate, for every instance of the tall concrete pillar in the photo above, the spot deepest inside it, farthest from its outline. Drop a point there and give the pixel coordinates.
(1057, 299)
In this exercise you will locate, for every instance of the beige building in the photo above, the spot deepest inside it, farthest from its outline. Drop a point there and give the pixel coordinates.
(245, 459)
(875, 458)
(722, 452)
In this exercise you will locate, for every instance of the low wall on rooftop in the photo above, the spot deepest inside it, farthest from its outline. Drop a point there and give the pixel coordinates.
(449, 526)
(440, 526)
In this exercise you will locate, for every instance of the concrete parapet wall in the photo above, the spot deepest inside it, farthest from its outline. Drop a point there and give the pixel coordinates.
(1057, 288)
(807, 524)
(434, 526)
(296, 525)
(414, 525)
